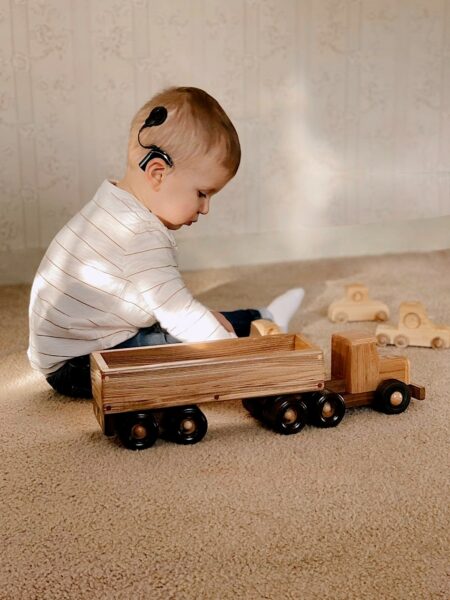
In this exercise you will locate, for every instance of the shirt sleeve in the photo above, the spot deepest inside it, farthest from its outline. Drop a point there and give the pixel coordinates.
(153, 271)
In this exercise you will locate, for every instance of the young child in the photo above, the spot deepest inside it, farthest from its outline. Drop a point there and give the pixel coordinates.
(109, 278)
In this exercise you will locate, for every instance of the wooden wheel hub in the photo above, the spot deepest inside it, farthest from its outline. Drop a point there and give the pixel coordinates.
(327, 410)
(138, 432)
(401, 341)
(437, 343)
(396, 398)
(381, 316)
(382, 339)
(290, 416)
(188, 425)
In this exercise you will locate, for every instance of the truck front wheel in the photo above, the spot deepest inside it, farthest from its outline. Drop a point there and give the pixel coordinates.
(185, 424)
(285, 414)
(392, 397)
(327, 409)
(137, 430)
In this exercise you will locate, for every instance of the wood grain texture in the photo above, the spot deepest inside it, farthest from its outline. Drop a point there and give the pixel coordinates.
(417, 391)
(98, 367)
(351, 400)
(157, 377)
(167, 353)
(179, 374)
(262, 327)
(394, 367)
(357, 360)
(367, 398)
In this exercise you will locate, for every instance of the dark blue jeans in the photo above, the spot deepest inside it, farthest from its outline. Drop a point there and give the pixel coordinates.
(73, 378)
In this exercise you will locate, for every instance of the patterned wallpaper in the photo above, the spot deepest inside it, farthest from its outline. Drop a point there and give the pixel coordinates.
(342, 106)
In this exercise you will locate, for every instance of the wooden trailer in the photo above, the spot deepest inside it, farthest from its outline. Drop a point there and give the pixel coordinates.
(140, 393)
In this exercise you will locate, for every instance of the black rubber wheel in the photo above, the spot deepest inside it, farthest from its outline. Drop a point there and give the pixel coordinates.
(285, 414)
(137, 430)
(254, 406)
(185, 424)
(392, 397)
(327, 409)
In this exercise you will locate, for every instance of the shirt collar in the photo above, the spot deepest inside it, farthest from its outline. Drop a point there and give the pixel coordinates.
(136, 205)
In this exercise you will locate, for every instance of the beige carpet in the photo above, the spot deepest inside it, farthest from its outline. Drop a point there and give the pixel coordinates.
(355, 512)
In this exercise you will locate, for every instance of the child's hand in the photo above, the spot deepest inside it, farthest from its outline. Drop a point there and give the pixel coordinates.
(223, 321)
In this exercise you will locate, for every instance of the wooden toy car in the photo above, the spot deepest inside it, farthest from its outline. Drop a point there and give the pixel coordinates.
(140, 393)
(357, 306)
(414, 329)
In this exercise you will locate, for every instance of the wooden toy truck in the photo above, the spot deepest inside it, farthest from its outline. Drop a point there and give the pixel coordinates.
(356, 305)
(140, 393)
(414, 329)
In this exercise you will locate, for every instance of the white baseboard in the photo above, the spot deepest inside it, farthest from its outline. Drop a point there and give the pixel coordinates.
(272, 247)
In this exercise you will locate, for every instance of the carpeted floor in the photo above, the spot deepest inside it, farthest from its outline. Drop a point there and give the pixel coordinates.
(356, 512)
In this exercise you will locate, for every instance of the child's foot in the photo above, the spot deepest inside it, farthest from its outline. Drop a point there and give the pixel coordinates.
(282, 308)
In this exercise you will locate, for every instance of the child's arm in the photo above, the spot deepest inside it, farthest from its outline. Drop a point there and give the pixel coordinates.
(223, 321)
(153, 273)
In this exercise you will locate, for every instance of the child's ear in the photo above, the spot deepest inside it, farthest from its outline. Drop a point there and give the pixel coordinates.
(155, 172)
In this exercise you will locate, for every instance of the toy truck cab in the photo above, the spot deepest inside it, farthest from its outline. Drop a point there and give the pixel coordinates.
(414, 329)
(364, 377)
(357, 306)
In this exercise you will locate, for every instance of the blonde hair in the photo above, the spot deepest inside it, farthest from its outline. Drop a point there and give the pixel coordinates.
(196, 124)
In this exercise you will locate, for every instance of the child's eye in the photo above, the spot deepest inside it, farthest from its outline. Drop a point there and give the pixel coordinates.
(201, 195)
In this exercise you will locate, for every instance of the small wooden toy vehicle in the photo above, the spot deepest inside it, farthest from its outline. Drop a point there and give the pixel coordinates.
(357, 306)
(140, 393)
(414, 329)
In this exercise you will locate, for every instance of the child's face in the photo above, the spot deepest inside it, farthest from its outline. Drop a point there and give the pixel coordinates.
(184, 195)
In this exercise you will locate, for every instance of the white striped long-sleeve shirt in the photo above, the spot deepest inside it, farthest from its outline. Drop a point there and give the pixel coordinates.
(111, 270)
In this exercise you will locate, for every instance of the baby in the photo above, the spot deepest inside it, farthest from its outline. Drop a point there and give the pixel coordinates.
(109, 278)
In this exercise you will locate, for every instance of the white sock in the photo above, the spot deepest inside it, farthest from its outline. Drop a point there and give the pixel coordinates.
(282, 308)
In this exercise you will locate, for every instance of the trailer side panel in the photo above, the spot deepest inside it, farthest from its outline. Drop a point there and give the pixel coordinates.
(195, 382)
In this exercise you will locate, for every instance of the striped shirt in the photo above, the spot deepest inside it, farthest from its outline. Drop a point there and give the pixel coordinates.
(111, 270)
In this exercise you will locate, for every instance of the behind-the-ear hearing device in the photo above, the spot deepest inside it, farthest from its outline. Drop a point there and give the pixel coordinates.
(157, 117)
(155, 152)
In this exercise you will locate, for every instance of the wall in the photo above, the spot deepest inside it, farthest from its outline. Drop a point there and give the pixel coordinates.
(342, 106)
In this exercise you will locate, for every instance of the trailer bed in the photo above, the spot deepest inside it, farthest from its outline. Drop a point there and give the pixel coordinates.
(155, 377)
